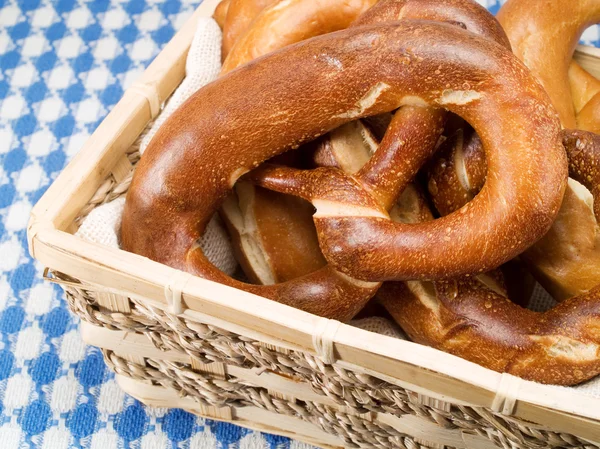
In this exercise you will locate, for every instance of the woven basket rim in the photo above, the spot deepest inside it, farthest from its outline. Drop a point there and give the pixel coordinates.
(52, 243)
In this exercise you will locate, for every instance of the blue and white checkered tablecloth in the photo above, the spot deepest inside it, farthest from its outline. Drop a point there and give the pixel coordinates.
(64, 64)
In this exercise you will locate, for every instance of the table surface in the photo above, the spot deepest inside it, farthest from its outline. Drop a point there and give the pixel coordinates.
(64, 64)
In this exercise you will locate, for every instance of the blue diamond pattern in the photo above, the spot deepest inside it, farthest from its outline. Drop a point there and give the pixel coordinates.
(64, 64)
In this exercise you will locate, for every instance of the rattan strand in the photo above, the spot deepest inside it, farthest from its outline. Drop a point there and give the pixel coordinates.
(356, 392)
(355, 431)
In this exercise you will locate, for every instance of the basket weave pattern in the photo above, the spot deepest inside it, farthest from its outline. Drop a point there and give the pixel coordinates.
(356, 394)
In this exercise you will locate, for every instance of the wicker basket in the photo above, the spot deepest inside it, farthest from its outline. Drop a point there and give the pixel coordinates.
(179, 341)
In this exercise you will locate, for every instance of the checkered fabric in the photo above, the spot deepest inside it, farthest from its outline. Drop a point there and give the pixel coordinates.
(64, 64)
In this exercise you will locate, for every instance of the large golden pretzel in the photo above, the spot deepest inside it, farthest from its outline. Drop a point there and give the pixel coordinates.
(293, 96)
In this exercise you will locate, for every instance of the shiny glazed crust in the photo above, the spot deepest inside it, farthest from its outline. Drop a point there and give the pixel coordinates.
(474, 318)
(291, 21)
(567, 260)
(413, 128)
(547, 48)
(221, 133)
(240, 15)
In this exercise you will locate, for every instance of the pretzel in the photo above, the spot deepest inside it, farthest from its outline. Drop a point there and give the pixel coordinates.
(544, 36)
(547, 49)
(259, 220)
(240, 14)
(466, 14)
(558, 347)
(571, 245)
(220, 133)
(295, 20)
(256, 233)
(273, 235)
(463, 316)
(258, 248)
(292, 21)
(471, 318)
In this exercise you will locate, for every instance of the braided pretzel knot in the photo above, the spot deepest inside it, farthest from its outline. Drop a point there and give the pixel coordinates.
(296, 94)
(418, 132)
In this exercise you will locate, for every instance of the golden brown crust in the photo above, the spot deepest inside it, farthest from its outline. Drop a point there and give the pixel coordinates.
(220, 134)
(273, 234)
(240, 15)
(455, 176)
(266, 254)
(272, 242)
(546, 47)
(295, 20)
(474, 318)
(566, 260)
(414, 128)
(410, 141)
(220, 14)
(468, 15)
(292, 21)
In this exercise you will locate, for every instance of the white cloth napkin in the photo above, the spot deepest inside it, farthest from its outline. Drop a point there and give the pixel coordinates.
(203, 65)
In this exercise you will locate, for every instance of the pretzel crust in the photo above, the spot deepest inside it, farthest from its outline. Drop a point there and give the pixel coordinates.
(273, 235)
(547, 48)
(240, 15)
(395, 164)
(468, 319)
(473, 317)
(220, 14)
